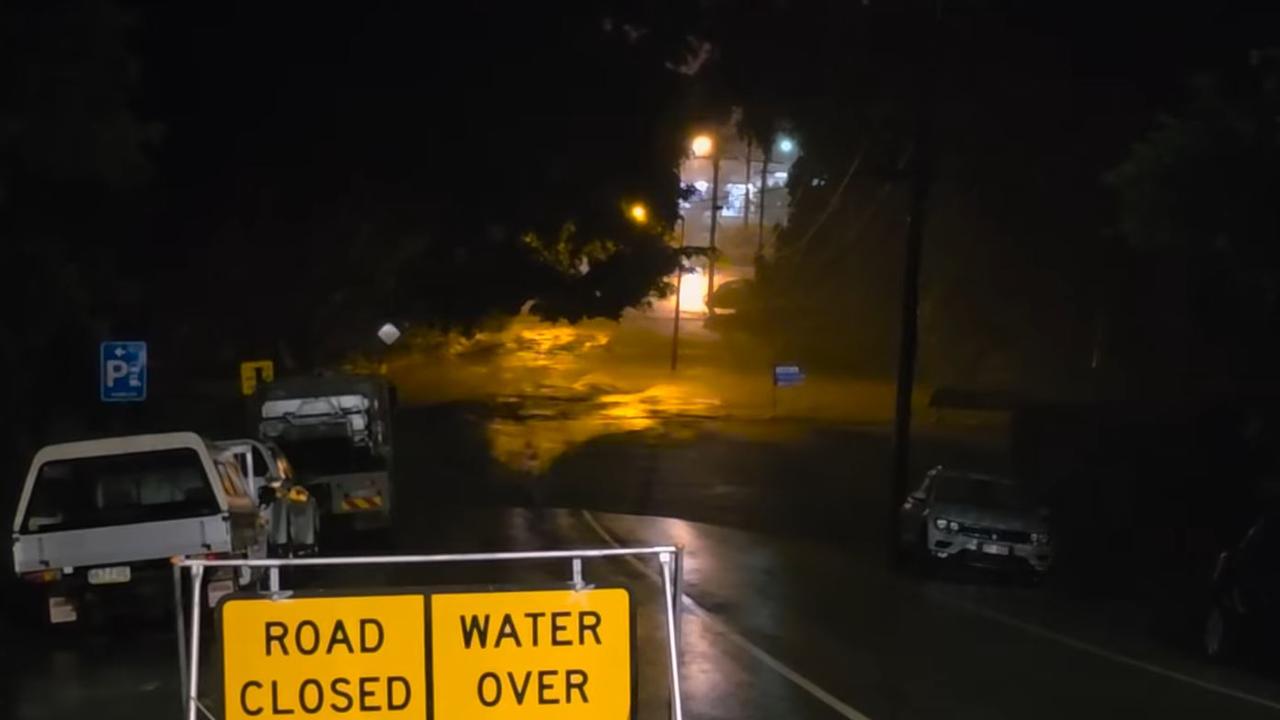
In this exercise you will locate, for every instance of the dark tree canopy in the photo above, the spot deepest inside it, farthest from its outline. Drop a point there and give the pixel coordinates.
(386, 162)
(73, 157)
(1197, 209)
(272, 179)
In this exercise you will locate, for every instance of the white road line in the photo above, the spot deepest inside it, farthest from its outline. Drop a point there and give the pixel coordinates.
(773, 663)
(1112, 656)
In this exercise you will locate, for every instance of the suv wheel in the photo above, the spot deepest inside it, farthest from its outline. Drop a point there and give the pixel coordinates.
(928, 564)
(1219, 636)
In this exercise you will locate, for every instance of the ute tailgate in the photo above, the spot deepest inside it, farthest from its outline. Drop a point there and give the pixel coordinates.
(121, 543)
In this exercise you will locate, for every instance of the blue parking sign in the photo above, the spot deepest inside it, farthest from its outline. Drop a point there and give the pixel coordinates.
(787, 375)
(123, 371)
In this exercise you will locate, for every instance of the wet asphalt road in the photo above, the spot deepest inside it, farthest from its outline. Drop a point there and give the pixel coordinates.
(131, 673)
(791, 612)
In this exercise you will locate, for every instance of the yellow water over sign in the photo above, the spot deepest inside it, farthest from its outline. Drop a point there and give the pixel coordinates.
(532, 655)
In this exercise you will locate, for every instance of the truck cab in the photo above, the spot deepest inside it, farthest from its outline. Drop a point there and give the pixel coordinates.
(336, 430)
(98, 521)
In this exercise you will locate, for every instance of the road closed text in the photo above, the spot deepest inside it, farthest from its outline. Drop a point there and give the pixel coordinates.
(532, 654)
(324, 657)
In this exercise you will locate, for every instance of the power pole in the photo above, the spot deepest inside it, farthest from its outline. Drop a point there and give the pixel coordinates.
(746, 188)
(922, 177)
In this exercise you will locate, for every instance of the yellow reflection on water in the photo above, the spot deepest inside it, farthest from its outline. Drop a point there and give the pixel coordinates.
(693, 292)
(549, 427)
(658, 402)
(545, 344)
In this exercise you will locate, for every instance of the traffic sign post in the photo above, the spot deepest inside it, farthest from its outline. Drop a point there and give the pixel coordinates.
(122, 371)
(786, 375)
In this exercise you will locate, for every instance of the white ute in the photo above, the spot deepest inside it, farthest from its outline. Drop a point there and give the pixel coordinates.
(98, 520)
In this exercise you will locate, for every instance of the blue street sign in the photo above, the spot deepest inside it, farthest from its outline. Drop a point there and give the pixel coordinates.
(787, 375)
(123, 370)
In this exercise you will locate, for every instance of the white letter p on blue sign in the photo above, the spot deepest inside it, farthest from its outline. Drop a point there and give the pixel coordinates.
(116, 369)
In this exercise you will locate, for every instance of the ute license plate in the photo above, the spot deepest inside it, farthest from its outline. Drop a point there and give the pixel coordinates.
(219, 589)
(110, 575)
(61, 610)
(995, 549)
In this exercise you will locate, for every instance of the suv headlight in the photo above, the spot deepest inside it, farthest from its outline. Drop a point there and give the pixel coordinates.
(946, 525)
(1040, 538)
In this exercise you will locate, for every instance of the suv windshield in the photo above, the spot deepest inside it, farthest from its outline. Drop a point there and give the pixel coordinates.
(983, 492)
(119, 490)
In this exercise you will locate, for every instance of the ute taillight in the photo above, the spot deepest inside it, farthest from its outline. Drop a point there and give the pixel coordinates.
(211, 556)
(43, 576)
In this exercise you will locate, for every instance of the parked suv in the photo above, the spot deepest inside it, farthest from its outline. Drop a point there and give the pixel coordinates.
(976, 519)
(1245, 600)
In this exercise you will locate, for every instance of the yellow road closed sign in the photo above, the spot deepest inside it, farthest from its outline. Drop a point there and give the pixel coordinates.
(532, 655)
(325, 657)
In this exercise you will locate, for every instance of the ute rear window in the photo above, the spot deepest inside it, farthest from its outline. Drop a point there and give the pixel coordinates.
(119, 490)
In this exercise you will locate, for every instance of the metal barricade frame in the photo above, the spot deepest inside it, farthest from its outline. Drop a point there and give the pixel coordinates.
(670, 559)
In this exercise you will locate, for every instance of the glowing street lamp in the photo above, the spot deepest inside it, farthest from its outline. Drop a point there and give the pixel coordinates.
(639, 213)
(786, 144)
(702, 146)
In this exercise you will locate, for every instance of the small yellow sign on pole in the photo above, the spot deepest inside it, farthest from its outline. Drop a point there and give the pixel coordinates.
(254, 371)
(325, 657)
(542, 654)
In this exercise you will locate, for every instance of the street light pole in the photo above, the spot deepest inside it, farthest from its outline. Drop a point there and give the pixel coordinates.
(764, 181)
(675, 322)
(705, 145)
(715, 211)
